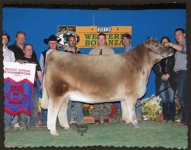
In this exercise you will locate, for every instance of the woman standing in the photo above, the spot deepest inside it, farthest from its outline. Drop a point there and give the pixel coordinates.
(165, 85)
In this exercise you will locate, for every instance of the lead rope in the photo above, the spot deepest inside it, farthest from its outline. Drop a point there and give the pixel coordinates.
(156, 94)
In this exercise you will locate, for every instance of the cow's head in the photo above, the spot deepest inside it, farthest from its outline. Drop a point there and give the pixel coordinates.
(159, 50)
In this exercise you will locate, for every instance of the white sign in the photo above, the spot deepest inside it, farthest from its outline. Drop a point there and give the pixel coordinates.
(19, 71)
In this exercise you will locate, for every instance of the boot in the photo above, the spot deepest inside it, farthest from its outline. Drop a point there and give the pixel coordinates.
(165, 110)
(171, 111)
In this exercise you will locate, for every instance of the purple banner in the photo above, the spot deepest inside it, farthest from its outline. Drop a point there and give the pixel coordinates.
(18, 96)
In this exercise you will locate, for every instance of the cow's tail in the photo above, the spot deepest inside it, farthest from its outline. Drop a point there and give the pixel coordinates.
(44, 102)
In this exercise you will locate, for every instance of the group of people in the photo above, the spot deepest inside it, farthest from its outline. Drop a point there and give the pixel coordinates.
(171, 77)
(166, 71)
(22, 53)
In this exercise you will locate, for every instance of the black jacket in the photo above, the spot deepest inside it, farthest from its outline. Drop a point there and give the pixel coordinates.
(163, 67)
(44, 54)
(68, 49)
(19, 52)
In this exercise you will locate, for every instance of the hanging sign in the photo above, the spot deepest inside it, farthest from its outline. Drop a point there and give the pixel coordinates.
(86, 36)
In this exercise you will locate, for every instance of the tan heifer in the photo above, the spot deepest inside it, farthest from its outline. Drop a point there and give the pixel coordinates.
(97, 79)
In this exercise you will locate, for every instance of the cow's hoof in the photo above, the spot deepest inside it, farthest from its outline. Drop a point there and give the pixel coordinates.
(127, 123)
(67, 128)
(124, 119)
(136, 126)
(54, 133)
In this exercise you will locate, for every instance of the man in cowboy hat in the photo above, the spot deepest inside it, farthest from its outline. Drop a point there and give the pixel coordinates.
(52, 42)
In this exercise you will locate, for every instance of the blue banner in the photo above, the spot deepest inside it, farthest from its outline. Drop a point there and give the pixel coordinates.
(18, 87)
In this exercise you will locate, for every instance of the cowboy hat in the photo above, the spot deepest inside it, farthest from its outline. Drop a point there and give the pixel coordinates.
(52, 38)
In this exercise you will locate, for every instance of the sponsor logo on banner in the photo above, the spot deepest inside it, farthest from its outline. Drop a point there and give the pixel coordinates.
(86, 36)
(64, 32)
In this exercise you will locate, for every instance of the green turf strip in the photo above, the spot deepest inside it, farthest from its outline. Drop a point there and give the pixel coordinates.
(150, 134)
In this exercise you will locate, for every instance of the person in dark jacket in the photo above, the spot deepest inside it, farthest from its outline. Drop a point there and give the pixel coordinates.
(28, 51)
(52, 43)
(165, 85)
(18, 46)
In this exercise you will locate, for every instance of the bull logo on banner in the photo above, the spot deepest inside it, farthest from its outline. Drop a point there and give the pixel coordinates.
(63, 34)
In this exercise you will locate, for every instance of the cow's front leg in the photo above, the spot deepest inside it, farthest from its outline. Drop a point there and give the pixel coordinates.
(124, 112)
(130, 103)
(62, 115)
(52, 116)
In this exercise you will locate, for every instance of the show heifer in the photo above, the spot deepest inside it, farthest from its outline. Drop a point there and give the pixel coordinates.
(97, 79)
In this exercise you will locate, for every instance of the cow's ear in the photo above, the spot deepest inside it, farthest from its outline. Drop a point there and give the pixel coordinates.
(148, 38)
(155, 39)
(147, 42)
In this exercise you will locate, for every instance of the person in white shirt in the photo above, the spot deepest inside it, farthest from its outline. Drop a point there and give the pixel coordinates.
(8, 56)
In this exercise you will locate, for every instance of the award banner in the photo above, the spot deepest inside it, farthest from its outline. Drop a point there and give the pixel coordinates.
(18, 87)
(86, 36)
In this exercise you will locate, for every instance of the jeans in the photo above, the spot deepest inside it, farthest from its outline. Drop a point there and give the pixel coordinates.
(103, 109)
(34, 111)
(168, 100)
(10, 120)
(79, 115)
(44, 116)
(23, 120)
(138, 110)
(181, 77)
(7, 120)
(15, 120)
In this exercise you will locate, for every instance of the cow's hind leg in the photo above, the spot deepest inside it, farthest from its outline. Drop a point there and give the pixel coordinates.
(53, 109)
(62, 115)
(44, 102)
(130, 103)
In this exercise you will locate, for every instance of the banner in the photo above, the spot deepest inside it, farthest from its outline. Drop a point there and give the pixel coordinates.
(18, 87)
(86, 36)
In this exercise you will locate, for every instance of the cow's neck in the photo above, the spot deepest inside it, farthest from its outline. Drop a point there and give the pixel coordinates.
(145, 59)
(143, 56)
(149, 57)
